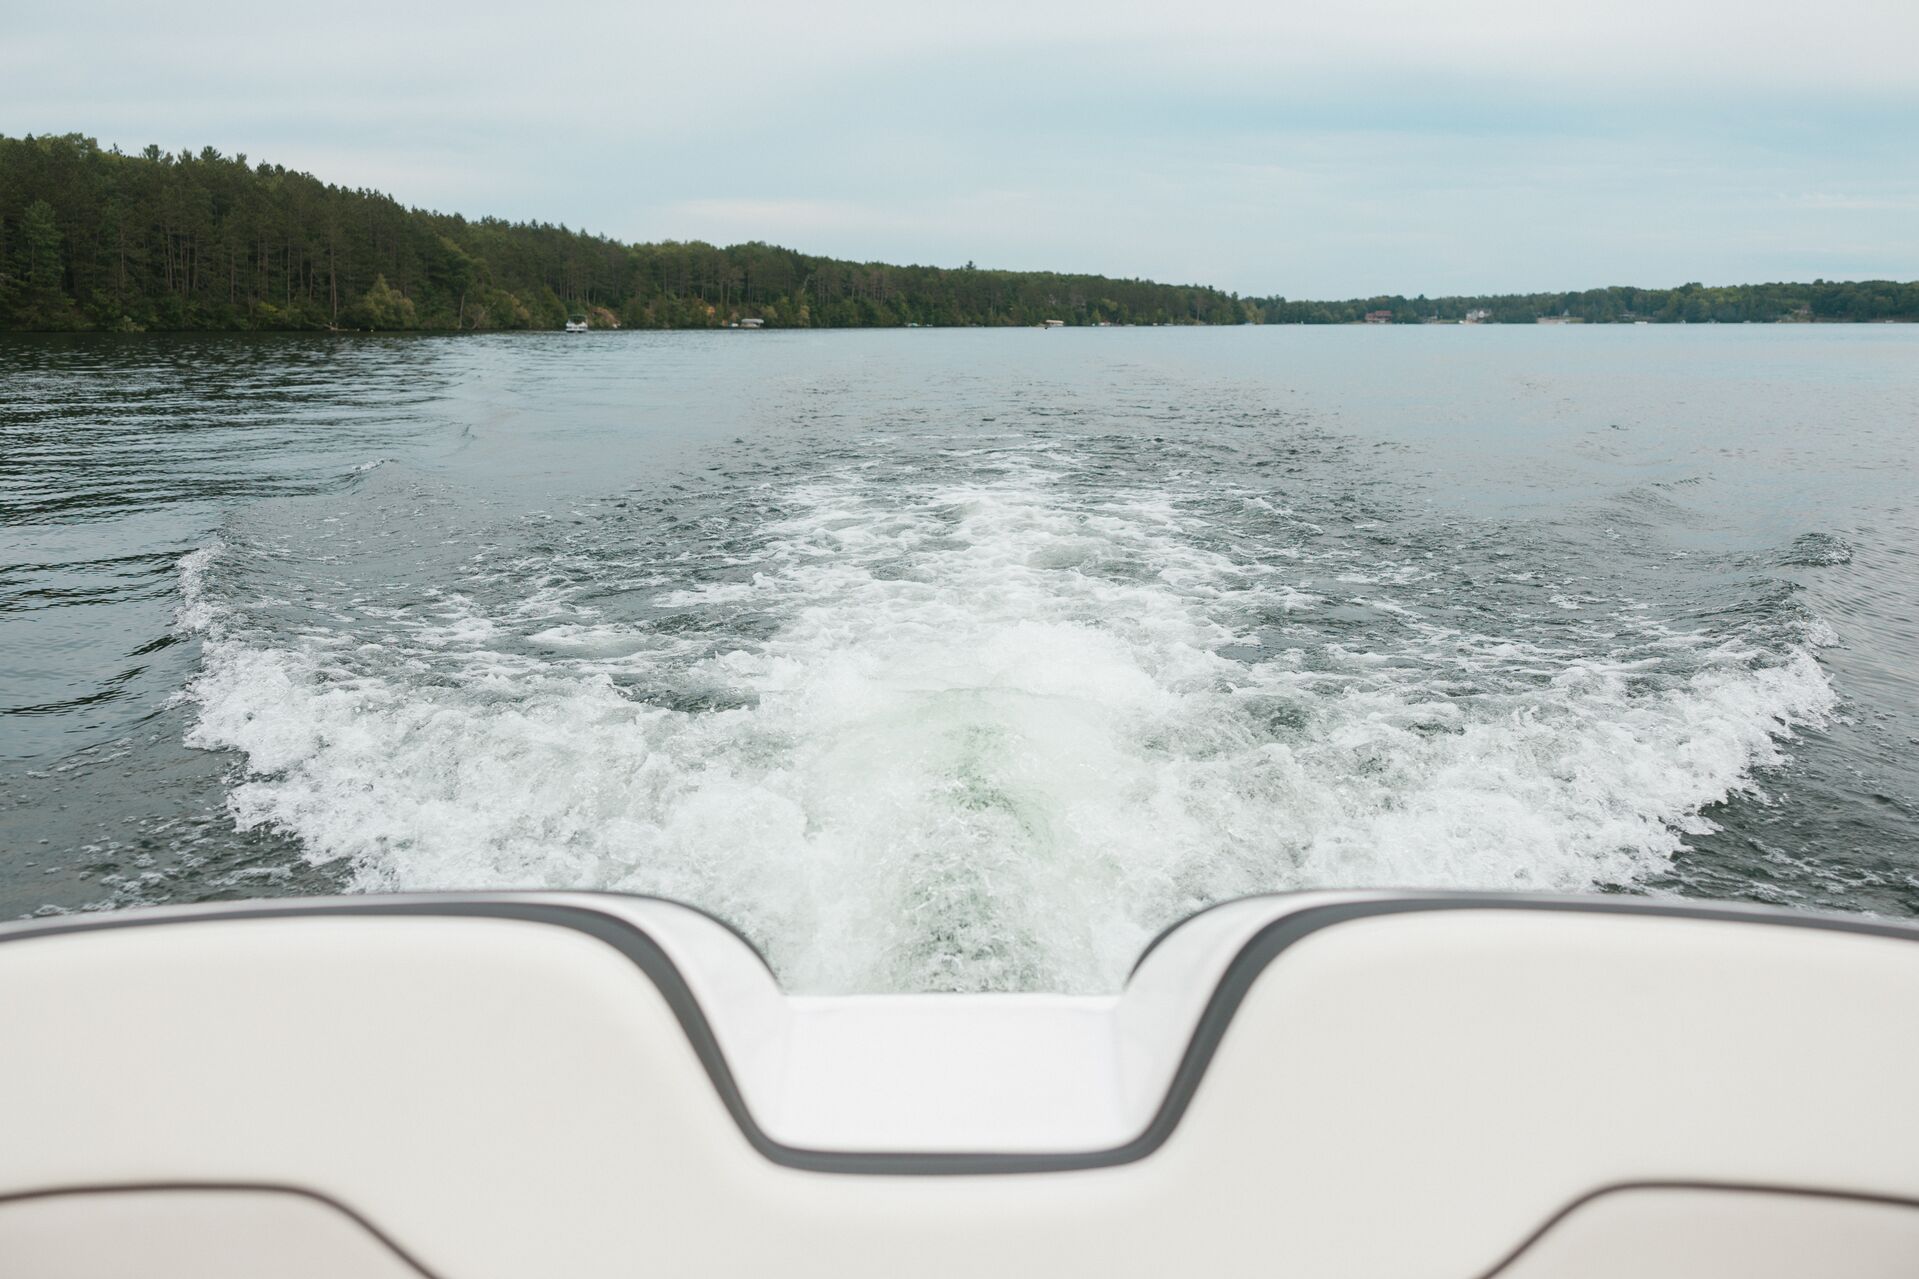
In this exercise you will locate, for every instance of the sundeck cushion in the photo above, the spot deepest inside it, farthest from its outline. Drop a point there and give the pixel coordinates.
(1325, 1086)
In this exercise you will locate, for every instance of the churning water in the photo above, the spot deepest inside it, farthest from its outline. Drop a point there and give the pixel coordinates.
(962, 660)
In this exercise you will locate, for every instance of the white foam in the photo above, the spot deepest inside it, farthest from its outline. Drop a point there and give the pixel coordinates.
(991, 743)
(197, 611)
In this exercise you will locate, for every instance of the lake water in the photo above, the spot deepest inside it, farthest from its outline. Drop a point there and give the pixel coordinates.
(962, 659)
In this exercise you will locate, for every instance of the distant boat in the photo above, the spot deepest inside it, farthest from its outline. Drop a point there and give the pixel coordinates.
(576, 325)
(1055, 324)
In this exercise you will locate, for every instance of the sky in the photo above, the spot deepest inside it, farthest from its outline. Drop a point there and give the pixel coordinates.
(1338, 148)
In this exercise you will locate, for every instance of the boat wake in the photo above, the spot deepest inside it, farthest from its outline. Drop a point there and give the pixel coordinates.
(988, 717)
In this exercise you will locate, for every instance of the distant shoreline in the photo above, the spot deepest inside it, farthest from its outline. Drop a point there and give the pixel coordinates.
(19, 334)
(425, 331)
(98, 240)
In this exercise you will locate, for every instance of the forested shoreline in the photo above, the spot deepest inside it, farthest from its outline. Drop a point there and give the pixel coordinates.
(92, 238)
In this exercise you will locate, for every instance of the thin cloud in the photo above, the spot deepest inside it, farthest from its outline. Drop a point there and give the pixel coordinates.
(1310, 150)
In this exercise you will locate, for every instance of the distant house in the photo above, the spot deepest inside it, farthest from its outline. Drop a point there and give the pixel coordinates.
(1056, 324)
(752, 323)
(1479, 316)
(1379, 317)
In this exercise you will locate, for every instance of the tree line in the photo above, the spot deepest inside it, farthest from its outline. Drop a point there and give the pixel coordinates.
(94, 238)
(1825, 301)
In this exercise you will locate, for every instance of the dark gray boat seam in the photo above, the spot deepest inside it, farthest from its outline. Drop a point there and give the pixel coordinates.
(273, 1188)
(1516, 1254)
(1246, 966)
(1735, 1187)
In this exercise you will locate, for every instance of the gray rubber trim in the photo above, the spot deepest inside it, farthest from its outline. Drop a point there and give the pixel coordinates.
(467, 903)
(1262, 949)
(268, 1188)
(1440, 899)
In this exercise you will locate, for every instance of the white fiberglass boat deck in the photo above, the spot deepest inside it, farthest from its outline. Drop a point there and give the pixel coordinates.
(569, 1084)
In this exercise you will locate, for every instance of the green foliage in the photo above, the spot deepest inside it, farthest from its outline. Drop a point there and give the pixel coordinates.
(40, 249)
(384, 307)
(93, 238)
(40, 295)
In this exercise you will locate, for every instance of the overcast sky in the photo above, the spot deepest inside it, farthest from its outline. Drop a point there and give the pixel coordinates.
(1324, 149)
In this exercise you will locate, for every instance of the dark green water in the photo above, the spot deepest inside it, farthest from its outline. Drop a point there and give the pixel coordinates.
(962, 660)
